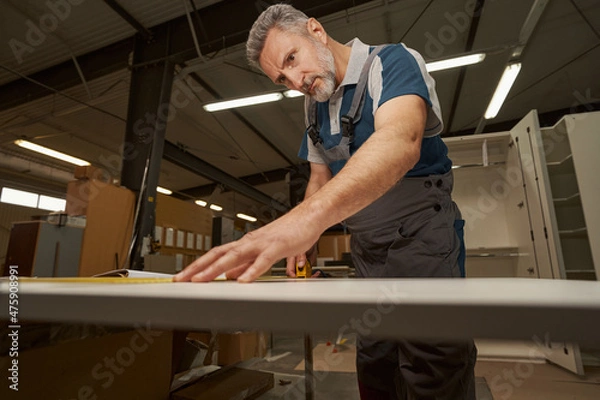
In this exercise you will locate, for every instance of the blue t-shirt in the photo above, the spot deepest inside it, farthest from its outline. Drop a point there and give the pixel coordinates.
(396, 71)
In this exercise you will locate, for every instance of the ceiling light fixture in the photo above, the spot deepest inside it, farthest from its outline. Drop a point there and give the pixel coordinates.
(164, 191)
(243, 102)
(216, 207)
(51, 153)
(290, 94)
(508, 78)
(201, 203)
(455, 62)
(246, 217)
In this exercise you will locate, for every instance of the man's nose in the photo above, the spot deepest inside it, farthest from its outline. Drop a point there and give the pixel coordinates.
(296, 80)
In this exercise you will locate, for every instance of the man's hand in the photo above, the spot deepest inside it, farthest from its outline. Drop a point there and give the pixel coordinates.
(300, 259)
(251, 256)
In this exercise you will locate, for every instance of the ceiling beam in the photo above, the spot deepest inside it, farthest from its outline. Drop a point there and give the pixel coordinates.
(226, 24)
(95, 64)
(190, 162)
(130, 19)
(478, 10)
(276, 175)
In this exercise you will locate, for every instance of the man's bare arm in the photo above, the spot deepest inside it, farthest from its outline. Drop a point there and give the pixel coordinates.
(391, 151)
(320, 174)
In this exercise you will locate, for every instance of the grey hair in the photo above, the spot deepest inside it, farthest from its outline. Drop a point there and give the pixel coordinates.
(281, 16)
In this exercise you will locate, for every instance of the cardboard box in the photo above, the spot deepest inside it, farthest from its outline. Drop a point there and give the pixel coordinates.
(81, 192)
(127, 365)
(90, 172)
(109, 221)
(334, 245)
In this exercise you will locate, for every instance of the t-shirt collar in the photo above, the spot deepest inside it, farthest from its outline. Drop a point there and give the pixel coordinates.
(358, 57)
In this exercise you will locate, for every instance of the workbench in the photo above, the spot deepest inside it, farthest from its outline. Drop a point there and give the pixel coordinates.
(511, 308)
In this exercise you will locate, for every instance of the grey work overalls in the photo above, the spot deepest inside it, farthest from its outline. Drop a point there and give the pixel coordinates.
(414, 230)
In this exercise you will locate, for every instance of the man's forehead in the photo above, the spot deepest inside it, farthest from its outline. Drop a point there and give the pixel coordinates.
(276, 44)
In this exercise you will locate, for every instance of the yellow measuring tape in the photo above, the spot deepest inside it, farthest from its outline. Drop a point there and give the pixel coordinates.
(105, 279)
(96, 280)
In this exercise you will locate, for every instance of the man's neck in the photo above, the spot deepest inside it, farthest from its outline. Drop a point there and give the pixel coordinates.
(341, 57)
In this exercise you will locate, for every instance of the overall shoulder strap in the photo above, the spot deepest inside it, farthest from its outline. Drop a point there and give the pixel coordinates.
(348, 120)
(361, 86)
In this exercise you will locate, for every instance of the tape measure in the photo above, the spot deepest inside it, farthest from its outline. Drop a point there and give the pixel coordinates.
(305, 271)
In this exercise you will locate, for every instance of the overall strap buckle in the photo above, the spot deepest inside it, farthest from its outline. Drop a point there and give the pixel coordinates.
(313, 132)
(348, 127)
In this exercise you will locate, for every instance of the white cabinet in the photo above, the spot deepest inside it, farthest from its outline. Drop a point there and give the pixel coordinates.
(530, 198)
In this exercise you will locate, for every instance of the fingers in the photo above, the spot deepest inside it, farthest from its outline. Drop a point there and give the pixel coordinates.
(301, 259)
(255, 270)
(236, 272)
(231, 259)
(316, 274)
(290, 268)
(197, 266)
(210, 265)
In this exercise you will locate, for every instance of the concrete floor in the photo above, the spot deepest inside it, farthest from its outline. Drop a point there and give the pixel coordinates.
(330, 382)
(544, 381)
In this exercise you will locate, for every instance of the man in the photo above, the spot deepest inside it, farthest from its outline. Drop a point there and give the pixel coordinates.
(383, 170)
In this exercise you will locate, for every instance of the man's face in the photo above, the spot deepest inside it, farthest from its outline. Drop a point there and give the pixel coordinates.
(300, 63)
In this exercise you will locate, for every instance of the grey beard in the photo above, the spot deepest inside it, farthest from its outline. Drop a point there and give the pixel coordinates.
(327, 65)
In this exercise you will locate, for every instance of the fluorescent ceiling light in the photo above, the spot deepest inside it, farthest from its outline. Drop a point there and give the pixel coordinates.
(201, 203)
(508, 78)
(19, 197)
(276, 96)
(246, 217)
(290, 94)
(455, 62)
(49, 152)
(52, 203)
(243, 102)
(164, 191)
(216, 207)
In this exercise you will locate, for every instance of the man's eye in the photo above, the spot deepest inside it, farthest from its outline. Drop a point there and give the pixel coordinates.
(281, 79)
(291, 57)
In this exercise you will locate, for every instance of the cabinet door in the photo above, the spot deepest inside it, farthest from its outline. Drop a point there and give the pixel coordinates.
(535, 245)
(527, 137)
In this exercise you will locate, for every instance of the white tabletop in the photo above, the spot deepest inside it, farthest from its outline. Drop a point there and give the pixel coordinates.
(411, 308)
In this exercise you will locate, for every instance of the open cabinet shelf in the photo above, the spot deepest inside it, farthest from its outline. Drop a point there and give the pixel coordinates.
(483, 252)
(564, 166)
(572, 200)
(574, 233)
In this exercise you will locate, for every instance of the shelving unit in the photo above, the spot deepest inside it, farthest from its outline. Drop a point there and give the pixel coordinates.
(572, 168)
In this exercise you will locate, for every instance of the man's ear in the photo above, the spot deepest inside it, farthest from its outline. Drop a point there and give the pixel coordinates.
(316, 30)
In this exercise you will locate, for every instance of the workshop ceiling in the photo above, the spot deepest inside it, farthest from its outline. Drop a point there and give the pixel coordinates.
(560, 64)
